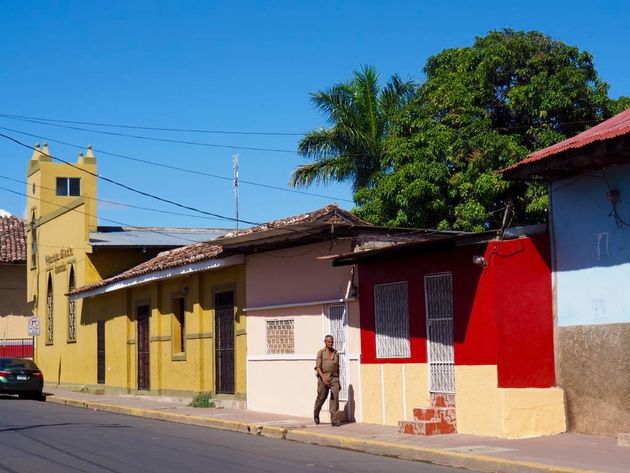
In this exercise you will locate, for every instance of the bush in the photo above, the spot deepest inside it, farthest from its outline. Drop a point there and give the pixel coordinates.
(202, 400)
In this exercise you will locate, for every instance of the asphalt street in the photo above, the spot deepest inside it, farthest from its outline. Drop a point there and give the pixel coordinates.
(44, 437)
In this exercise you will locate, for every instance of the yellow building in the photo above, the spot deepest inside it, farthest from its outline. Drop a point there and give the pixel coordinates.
(125, 340)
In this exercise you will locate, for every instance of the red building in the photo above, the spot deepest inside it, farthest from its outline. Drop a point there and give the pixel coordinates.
(457, 335)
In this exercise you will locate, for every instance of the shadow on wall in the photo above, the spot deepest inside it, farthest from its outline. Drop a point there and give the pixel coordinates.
(591, 230)
(349, 408)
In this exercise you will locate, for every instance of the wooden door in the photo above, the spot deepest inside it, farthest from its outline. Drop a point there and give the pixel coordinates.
(144, 367)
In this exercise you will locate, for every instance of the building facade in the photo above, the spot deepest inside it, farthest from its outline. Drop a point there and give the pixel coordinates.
(589, 177)
(82, 345)
(448, 345)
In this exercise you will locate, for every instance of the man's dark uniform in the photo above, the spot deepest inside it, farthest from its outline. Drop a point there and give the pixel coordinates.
(330, 367)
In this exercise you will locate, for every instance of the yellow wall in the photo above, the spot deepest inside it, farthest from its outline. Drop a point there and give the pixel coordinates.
(391, 391)
(63, 224)
(191, 371)
(14, 310)
(405, 387)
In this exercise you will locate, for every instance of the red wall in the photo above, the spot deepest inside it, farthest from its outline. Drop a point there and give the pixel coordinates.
(502, 313)
(524, 312)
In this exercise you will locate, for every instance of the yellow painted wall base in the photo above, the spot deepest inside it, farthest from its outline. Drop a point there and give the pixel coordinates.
(532, 412)
(391, 391)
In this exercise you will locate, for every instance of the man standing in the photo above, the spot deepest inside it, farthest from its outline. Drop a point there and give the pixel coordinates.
(327, 367)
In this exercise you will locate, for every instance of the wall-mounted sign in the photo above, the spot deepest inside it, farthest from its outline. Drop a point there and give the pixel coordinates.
(33, 326)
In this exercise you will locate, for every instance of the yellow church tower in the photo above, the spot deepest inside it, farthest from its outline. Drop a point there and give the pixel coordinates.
(61, 212)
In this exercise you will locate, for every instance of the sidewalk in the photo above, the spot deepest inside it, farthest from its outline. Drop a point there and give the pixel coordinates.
(570, 453)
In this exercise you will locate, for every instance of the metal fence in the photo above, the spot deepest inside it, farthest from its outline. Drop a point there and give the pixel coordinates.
(16, 348)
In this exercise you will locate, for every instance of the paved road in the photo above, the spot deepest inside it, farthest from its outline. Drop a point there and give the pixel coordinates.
(43, 437)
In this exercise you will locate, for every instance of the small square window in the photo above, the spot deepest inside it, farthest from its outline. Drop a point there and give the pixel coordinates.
(68, 186)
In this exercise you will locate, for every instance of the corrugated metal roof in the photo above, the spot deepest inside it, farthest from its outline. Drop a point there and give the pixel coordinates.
(12, 240)
(113, 237)
(616, 126)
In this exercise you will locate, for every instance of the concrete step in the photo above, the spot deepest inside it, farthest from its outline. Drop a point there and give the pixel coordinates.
(434, 414)
(425, 427)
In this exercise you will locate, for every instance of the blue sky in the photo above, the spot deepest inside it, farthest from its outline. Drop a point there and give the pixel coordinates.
(236, 66)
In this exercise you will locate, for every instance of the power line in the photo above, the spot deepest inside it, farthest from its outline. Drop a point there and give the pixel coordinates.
(122, 204)
(161, 140)
(177, 168)
(188, 240)
(129, 188)
(152, 128)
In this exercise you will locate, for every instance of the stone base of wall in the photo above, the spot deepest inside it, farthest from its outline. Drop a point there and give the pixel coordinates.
(593, 368)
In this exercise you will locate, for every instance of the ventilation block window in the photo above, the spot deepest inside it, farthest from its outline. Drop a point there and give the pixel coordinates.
(68, 186)
(280, 336)
(392, 320)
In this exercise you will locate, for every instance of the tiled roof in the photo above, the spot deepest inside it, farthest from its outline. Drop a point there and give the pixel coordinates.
(12, 240)
(616, 126)
(337, 216)
(167, 259)
(198, 252)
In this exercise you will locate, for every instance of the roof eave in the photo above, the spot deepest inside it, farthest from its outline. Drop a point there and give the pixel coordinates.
(574, 161)
(443, 242)
(168, 273)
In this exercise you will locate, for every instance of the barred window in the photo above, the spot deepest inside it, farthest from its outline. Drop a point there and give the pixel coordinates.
(33, 241)
(391, 312)
(49, 312)
(72, 330)
(178, 338)
(280, 336)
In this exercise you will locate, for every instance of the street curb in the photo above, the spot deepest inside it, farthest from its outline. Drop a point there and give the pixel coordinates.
(405, 452)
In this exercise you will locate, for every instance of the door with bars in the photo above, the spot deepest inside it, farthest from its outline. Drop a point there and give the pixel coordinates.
(224, 342)
(438, 291)
(338, 318)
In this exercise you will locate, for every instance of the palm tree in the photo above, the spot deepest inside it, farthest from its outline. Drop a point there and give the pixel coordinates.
(361, 114)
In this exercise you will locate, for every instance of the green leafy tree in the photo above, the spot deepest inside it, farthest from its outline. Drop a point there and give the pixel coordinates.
(360, 113)
(481, 109)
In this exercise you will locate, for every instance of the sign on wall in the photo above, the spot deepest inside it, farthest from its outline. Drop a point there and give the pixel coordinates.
(33, 326)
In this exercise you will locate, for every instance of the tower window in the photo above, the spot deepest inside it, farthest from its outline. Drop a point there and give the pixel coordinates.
(70, 186)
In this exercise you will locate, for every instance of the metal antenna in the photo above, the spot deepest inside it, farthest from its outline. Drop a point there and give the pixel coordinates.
(235, 164)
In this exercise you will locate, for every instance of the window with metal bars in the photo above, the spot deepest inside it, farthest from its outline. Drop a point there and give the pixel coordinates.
(391, 314)
(49, 312)
(72, 327)
(179, 325)
(33, 241)
(280, 336)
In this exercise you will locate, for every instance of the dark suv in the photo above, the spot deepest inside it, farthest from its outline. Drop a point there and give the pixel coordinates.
(21, 376)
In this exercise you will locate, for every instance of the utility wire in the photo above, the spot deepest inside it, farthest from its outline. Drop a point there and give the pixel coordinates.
(152, 128)
(129, 188)
(187, 240)
(122, 204)
(177, 168)
(161, 140)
